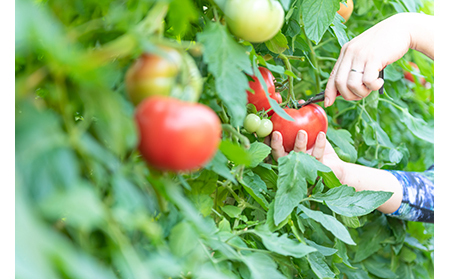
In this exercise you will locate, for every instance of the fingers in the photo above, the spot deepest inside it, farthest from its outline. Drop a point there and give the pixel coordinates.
(370, 78)
(277, 145)
(301, 141)
(319, 147)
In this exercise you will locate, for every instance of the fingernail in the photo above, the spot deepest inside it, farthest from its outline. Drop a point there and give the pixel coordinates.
(301, 135)
(326, 102)
(275, 137)
(321, 136)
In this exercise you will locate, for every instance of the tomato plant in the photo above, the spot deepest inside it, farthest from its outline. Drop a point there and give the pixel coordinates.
(175, 135)
(258, 96)
(153, 74)
(311, 118)
(122, 168)
(346, 9)
(254, 20)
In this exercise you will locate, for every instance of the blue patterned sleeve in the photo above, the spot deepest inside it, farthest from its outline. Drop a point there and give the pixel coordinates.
(418, 196)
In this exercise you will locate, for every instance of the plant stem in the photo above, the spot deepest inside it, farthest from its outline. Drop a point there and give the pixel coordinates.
(291, 96)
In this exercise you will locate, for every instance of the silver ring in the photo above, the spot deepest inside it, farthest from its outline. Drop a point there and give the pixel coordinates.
(356, 71)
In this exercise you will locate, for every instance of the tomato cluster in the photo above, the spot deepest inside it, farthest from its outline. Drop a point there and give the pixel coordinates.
(254, 124)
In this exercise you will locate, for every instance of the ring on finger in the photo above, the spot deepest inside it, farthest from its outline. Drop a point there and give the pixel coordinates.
(356, 71)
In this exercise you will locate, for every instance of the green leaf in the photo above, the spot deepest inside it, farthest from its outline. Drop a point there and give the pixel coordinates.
(256, 187)
(339, 29)
(277, 44)
(319, 266)
(201, 189)
(180, 15)
(325, 251)
(346, 201)
(379, 269)
(258, 152)
(353, 273)
(183, 239)
(226, 60)
(295, 170)
(261, 266)
(343, 139)
(235, 153)
(282, 244)
(330, 223)
(418, 126)
(219, 164)
(232, 211)
(372, 237)
(317, 17)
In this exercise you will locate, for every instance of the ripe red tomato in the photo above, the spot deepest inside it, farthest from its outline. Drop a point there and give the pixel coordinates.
(346, 10)
(259, 98)
(409, 75)
(152, 74)
(176, 135)
(255, 21)
(311, 118)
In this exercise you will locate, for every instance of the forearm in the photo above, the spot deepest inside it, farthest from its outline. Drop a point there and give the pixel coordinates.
(421, 29)
(365, 178)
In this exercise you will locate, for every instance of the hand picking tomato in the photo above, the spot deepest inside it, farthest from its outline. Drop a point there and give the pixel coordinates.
(346, 10)
(175, 135)
(311, 118)
(259, 98)
(153, 74)
(255, 21)
(409, 75)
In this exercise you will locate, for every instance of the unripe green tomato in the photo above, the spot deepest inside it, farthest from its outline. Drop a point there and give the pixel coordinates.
(265, 128)
(255, 21)
(252, 122)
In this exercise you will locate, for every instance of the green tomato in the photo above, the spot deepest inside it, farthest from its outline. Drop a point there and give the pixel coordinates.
(265, 128)
(252, 122)
(255, 21)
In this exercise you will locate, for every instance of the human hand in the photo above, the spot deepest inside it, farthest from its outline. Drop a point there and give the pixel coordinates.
(322, 150)
(356, 71)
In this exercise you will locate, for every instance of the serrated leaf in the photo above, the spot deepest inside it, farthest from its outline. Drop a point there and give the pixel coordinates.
(339, 29)
(330, 223)
(258, 152)
(226, 60)
(282, 244)
(219, 164)
(256, 187)
(343, 139)
(346, 201)
(317, 16)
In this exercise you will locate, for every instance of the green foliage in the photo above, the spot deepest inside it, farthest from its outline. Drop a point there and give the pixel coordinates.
(88, 206)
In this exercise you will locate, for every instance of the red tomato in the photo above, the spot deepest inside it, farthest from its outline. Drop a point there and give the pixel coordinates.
(409, 75)
(259, 98)
(175, 135)
(311, 118)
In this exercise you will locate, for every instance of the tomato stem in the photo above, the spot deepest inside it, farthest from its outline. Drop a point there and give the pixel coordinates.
(291, 95)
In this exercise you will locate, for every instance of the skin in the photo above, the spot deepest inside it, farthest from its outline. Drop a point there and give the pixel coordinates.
(374, 49)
